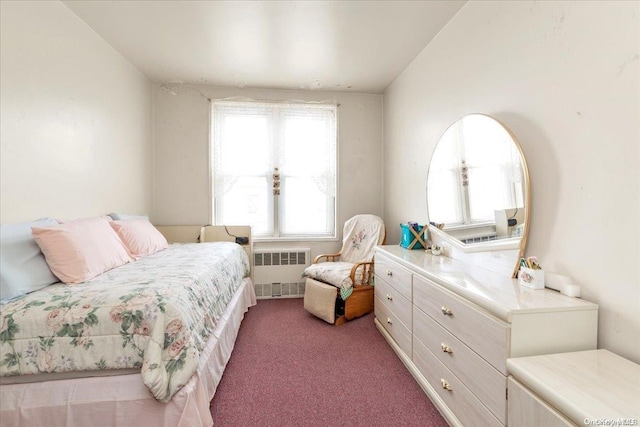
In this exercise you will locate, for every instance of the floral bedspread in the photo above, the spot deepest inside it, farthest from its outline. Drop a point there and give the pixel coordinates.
(155, 314)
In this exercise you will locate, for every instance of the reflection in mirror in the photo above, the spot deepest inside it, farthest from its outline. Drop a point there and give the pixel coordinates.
(478, 182)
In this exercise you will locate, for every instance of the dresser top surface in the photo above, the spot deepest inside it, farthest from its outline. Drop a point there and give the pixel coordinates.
(501, 296)
(595, 384)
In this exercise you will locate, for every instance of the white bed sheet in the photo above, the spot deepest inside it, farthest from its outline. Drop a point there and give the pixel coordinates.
(124, 400)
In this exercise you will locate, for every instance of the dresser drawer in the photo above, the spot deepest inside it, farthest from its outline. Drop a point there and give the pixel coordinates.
(394, 326)
(394, 274)
(466, 407)
(478, 376)
(395, 302)
(483, 333)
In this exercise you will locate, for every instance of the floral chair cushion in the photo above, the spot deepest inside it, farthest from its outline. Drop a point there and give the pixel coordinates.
(333, 273)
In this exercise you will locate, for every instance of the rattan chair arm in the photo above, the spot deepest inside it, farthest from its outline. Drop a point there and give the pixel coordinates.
(367, 273)
(334, 258)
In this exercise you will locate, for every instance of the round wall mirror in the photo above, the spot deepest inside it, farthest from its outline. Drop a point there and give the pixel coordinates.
(478, 186)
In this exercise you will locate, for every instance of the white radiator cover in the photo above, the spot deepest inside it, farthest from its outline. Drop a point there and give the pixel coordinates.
(277, 273)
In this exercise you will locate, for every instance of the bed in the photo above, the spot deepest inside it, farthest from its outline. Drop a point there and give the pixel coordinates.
(142, 344)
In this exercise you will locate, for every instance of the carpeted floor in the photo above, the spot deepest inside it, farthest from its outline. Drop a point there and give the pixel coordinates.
(289, 368)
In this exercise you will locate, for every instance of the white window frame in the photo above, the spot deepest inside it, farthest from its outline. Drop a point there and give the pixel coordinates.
(274, 201)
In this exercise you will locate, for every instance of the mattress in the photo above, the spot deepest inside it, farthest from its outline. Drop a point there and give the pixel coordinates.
(154, 315)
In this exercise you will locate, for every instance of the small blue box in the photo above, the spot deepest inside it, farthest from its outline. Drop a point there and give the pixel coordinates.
(409, 240)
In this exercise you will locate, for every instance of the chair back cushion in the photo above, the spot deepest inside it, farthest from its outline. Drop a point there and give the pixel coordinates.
(360, 235)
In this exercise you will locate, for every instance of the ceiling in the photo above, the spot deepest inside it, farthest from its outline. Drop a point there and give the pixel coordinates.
(349, 45)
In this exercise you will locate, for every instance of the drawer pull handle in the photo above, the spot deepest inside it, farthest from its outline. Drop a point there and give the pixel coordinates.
(389, 322)
(446, 311)
(445, 384)
(389, 297)
(389, 273)
(446, 348)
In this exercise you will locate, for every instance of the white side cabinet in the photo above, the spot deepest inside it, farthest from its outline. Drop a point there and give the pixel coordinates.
(527, 409)
(455, 326)
(596, 387)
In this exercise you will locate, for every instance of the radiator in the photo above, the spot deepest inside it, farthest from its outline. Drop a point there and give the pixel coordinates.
(277, 273)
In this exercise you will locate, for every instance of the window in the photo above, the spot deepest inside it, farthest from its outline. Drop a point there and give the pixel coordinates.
(274, 168)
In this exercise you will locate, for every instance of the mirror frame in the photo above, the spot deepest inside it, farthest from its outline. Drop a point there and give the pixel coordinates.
(500, 244)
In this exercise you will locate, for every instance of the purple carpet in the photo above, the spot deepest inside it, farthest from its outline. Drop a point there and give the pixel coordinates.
(290, 368)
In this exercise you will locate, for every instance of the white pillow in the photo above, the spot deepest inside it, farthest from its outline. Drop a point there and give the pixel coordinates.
(23, 268)
(121, 216)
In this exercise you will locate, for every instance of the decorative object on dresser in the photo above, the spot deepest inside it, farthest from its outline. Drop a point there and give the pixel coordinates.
(530, 273)
(594, 387)
(340, 288)
(413, 236)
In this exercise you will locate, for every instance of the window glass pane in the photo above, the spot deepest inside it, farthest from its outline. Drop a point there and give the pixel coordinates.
(244, 145)
(445, 197)
(305, 209)
(489, 154)
(246, 203)
(306, 150)
(444, 181)
(485, 193)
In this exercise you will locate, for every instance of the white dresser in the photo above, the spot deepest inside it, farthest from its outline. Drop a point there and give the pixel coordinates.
(454, 326)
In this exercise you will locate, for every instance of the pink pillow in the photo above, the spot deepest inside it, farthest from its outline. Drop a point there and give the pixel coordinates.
(80, 250)
(140, 237)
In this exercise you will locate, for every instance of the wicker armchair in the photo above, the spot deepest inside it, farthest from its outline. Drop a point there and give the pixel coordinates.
(339, 286)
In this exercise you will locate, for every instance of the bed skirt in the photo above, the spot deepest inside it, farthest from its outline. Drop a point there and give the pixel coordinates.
(123, 400)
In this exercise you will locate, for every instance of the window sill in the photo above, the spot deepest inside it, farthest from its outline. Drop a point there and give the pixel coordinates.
(294, 239)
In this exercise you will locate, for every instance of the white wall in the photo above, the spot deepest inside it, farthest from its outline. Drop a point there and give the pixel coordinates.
(76, 119)
(564, 77)
(181, 138)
